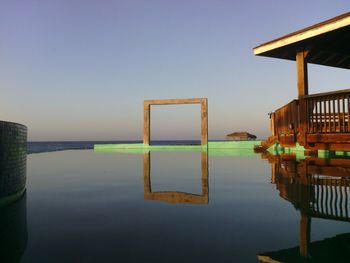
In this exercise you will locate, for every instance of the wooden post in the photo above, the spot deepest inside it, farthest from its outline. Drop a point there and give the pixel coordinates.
(205, 174)
(272, 123)
(303, 90)
(305, 229)
(204, 122)
(146, 122)
(303, 87)
(147, 174)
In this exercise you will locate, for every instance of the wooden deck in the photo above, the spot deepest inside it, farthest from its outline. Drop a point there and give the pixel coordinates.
(318, 122)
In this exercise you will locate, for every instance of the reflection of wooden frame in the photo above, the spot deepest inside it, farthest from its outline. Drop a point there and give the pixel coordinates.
(147, 116)
(173, 196)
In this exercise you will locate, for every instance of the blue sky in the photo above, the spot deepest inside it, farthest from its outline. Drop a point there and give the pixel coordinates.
(80, 70)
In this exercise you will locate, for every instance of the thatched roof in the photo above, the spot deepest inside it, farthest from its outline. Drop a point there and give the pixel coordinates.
(241, 134)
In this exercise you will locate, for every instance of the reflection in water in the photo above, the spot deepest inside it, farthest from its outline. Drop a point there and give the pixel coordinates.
(13, 219)
(13, 230)
(318, 188)
(174, 196)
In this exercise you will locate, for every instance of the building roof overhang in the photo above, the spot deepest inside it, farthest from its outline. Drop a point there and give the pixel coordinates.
(327, 43)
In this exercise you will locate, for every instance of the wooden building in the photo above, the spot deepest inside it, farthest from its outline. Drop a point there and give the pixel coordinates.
(315, 121)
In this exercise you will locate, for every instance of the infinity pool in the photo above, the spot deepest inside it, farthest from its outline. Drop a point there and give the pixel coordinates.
(86, 206)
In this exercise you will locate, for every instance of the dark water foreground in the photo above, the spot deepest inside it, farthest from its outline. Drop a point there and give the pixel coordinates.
(83, 206)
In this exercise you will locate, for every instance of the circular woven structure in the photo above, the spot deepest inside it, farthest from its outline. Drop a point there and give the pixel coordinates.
(13, 159)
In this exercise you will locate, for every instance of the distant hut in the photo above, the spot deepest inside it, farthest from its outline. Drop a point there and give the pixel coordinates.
(240, 136)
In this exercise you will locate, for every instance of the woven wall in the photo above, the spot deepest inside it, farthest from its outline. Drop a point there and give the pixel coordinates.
(13, 158)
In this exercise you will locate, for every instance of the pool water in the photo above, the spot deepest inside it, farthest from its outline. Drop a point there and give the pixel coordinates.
(86, 206)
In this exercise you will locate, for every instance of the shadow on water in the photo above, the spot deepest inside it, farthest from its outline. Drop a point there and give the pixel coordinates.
(13, 230)
(13, 214)
(176, 197)
(317, 188)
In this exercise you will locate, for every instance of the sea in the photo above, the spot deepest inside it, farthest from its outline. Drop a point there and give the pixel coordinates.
(82, 205)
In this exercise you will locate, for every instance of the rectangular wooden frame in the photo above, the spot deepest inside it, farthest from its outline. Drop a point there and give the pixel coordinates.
(147, 115)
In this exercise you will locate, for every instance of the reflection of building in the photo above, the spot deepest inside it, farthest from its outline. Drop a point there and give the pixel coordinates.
(13, 230)
(174, 196)
(318, 188)
(13, 218)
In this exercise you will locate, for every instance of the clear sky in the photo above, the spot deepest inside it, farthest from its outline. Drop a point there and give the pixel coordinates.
(80, 69)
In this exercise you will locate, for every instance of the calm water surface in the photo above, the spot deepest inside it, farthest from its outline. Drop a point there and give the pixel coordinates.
(85, 206)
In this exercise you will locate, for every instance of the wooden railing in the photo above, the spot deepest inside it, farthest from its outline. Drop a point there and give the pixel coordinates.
(285, 122)
(316, 186)
(323, 113)
(330, 197)
(286, 118)
(329, 112)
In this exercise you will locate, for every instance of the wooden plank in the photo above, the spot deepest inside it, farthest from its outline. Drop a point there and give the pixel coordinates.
(334, 124)
(315, 117)
(329, 146)
(329, 116)
(343, 113)
(305, 231)
(330, 93)
(303, 89)
(329, 138)
(300, 35)
(147, 172)
(324, 128)
(329, 171)
(204, 122)
(303, 122)
(175, 101)
(318, 115)
(338, 107)
(205, 174)
(146, 123)
(348, 100)
(337, 162)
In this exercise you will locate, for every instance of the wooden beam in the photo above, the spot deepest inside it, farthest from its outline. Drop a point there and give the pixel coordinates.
(304, 34)
(205, 174)
(146, 123)
(303, 90)
(175, 101)
(323, 94)
(303, 87)
(204, 122)
(147, 173)
(305, 230)
(329, 146)
(343, 138)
